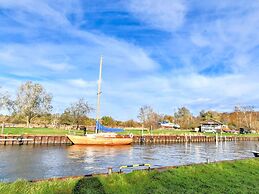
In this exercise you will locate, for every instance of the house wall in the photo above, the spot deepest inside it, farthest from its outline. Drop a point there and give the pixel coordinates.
(210, 127)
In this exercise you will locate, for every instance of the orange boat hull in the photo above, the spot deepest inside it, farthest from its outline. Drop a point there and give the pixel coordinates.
(99, 140)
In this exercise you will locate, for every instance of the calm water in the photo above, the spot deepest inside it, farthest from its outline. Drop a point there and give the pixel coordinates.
(34, 162)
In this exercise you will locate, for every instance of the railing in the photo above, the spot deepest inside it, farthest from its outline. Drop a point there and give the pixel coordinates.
(134, 165)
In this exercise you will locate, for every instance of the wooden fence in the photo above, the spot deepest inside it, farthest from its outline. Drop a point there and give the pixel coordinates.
(55, 139)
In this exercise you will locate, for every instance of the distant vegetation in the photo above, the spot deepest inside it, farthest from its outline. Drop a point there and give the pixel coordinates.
(32, 106)
(224, 177)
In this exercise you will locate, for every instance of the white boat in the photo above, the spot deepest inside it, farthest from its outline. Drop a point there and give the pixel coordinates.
(166, 124)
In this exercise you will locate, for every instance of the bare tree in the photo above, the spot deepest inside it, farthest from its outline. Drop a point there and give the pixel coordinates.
(78, 111)
(5, 101)
(32, 100)
(148, 117)
(248, 113)
(237, 119)
(245, 116)
(2, 97)
(144, 111)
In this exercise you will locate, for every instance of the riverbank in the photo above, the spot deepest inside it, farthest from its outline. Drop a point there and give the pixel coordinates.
(134, 131)
(53, 131)
(34, 136)
(153, 139)
(240, 176)
(39, 131)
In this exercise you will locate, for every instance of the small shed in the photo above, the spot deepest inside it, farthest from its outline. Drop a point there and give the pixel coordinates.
(212, 126)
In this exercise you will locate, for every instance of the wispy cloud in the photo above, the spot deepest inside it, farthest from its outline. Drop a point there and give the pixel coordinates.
(35, 13)
(203, 55)
(81, 83)
(69, 53)
(162, 14)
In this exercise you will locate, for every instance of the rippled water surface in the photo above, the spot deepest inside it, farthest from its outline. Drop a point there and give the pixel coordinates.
(34, 162)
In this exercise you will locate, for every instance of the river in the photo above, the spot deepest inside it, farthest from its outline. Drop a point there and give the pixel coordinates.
(46, 161)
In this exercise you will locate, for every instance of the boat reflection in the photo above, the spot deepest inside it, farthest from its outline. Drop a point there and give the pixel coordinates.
(92, 151)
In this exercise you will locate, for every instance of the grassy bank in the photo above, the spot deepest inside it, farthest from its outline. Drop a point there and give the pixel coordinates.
(52, 131)
(162, 131)
(225, 177)
(136, 131)
(41, 131)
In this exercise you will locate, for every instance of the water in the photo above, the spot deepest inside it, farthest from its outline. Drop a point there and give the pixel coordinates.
(36, 162)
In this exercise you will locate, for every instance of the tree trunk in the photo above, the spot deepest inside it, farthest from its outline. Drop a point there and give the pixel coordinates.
(250, 120)
(3, 128)
(77, 125)
(28, 121)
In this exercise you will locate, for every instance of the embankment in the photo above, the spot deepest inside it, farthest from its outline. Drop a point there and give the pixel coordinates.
(223, 177)
(62, 139)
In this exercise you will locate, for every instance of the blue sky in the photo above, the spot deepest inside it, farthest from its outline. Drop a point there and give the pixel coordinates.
(163, 53)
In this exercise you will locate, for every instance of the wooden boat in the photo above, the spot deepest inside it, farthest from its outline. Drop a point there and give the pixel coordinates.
(256, 154)
(101, 138)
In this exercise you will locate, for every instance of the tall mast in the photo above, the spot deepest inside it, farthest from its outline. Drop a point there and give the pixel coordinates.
(99, 93)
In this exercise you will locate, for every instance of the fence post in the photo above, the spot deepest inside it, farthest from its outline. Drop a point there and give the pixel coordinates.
(109, 170)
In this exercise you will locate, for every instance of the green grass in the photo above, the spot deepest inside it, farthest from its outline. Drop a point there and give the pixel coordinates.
(134, 131)
(157, 132)
(45, 187)
(39, 131)
(226, 177)
(138, 131)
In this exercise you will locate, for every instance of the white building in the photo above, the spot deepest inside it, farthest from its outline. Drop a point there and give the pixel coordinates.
(212, 126)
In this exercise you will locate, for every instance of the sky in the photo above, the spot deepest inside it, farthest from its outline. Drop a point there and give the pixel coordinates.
(200, 54)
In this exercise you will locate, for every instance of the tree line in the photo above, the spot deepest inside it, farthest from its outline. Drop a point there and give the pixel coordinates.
(33, 104)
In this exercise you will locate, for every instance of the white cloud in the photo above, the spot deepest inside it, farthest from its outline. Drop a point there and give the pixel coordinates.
(21, 56)
(199, 40)
(29, 12)
(66, 69)
(81, 83)
(165, 15)
(57, 66)
(67, 61)
(233, 36)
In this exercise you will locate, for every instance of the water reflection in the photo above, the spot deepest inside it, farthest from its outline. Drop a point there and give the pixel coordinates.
(77, 151)
(32, 162)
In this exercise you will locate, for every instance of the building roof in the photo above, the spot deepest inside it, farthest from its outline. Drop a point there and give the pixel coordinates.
(211, 122)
